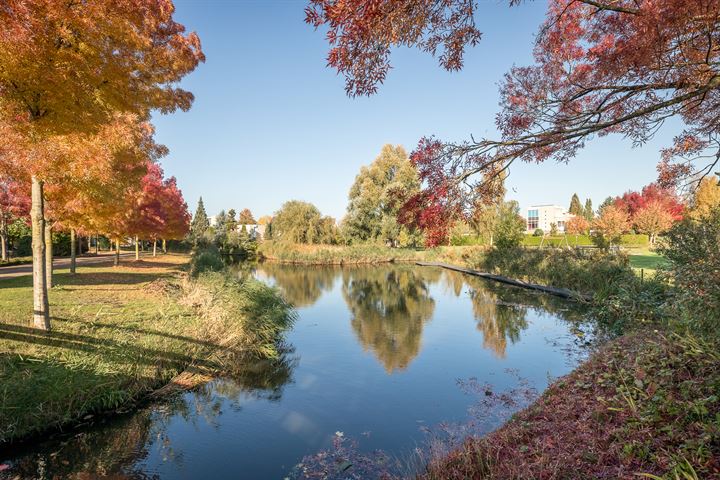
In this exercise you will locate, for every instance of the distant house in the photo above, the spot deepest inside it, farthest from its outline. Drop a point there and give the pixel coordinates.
(543, 216)
(255, 231)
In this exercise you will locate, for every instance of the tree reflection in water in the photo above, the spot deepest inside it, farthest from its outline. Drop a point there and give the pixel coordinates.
(389, 307)
(301, 285)
(117, 448)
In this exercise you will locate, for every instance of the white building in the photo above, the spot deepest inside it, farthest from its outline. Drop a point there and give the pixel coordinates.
(255, 231)
(543, 216)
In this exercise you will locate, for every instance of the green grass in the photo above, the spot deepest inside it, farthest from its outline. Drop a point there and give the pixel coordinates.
(15, 261)
(647, 260)
(120, 333)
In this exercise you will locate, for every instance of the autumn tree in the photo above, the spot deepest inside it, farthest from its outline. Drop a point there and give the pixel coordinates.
(376, 196)
(577, 226)
(601, 67)
(706, 199)
(652, 220)
(69, 67)
(609, 226)
(246, 217)
(633, 202)
(575, 206)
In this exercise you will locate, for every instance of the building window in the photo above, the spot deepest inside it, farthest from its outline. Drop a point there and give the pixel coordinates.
(533, 219)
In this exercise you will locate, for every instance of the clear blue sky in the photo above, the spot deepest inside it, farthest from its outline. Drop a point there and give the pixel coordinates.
(271, 123)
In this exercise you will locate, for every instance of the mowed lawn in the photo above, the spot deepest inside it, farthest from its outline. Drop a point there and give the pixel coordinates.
(115, 335)
(647, 260)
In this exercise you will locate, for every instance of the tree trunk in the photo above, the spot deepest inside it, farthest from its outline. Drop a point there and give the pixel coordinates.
(48, 254)
(3, 238)
(164, 246)
(155, 248)
(41, 307)
(73, 256)
(137, 249)
(97, 244)
(117, 252)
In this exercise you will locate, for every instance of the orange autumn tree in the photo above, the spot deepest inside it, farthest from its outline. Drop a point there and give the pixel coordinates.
(577, 226)
(68, 67)
(97, 171)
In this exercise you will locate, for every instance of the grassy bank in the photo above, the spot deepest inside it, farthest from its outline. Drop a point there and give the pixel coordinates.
(360, 254)
(120, 334)
(644, 404)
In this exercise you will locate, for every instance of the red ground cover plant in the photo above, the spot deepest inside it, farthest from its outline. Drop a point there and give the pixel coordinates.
(643, 404)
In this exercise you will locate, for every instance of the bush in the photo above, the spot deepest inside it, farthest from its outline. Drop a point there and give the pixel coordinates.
(618, 295)
(206, 259)
(538, 232)
(691, 248)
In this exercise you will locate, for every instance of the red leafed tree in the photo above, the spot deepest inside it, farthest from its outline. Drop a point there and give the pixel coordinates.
(601, 67)
(177, 216)
(160, 211)
(14, 202)
(361, 34)
(634, 202)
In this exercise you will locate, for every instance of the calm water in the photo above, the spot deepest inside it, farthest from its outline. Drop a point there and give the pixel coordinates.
(376, 354)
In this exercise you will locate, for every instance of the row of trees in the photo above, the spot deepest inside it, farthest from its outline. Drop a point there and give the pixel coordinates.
(78, 82)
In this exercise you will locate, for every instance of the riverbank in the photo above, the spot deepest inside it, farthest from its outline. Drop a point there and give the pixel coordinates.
(360, 254)
(646, 403)
(120, 334)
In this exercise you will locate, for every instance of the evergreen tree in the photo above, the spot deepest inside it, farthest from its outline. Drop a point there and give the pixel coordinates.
(588, 210)
(200, 222)
(575, 205)
(231, 220)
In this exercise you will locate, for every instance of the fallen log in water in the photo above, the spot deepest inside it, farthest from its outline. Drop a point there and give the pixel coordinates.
(560, 292)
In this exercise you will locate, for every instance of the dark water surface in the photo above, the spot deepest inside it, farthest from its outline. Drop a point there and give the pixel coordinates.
(376, 354)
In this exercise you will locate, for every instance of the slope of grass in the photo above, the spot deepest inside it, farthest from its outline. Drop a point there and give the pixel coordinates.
(119, 334)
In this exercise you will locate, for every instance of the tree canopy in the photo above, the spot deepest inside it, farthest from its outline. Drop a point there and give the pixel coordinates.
(601, 67)
(376, 196)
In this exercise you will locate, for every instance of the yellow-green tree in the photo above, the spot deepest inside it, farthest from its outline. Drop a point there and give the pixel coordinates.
(377, 194)
(707, 198)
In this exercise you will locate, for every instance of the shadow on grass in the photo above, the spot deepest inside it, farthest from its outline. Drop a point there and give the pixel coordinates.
(138, 330)
(111, 350)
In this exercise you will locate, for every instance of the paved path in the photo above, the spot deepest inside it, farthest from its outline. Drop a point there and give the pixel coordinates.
(26, 269)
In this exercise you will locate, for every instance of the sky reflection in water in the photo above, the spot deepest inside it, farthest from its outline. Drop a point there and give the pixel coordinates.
(377, 354)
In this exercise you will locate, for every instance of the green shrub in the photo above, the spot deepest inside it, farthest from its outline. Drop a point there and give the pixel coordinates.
(206, 259)
(538, 232)
(691, 248)
(618, 295)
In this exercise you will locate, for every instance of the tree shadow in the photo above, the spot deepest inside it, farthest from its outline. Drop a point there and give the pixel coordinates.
(110, 350)
(143, 331)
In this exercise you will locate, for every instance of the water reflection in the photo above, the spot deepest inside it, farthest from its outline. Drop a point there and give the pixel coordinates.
(301, 285)
(389, 307)
(118, 448)
(267, 416)
(390, 304)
